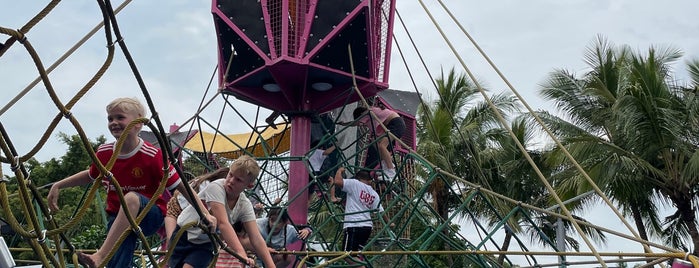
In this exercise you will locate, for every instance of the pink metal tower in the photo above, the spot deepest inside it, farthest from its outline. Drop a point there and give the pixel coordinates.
(293, 56)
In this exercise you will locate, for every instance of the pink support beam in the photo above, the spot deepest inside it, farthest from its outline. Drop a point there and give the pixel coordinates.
(298, 173)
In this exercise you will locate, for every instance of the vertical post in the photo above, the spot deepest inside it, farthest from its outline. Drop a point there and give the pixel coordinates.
(298, 173)
(560, 227)
(561, 241)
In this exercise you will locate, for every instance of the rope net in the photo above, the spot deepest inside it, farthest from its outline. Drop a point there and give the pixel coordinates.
(426, 233)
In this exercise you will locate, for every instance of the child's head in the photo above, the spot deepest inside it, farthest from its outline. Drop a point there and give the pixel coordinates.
(120, 112)
(243, 172)
(358, 112)
(127, 105)
(363, 175)
(278, 219)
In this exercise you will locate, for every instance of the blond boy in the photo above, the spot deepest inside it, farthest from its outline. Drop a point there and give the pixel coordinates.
(139, 171)
(228, 203)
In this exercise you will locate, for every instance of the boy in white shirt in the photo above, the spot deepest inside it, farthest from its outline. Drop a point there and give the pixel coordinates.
(229, 205)
(360, 202)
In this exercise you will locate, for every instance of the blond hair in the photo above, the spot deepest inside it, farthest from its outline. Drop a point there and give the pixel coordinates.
(248, 165)
(129, 105)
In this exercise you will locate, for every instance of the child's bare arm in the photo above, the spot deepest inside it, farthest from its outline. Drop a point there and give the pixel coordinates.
(80, 178)
(329, 150)
(258, 243)
(228, 234)
(336, 181)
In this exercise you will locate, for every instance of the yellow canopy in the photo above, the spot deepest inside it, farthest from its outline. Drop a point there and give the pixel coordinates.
(269, 142)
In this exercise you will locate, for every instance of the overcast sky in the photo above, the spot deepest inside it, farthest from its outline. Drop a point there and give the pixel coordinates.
(173, 44)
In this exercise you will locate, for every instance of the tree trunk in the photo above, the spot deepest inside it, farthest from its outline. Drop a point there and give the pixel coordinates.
(638, 219)
(505, 246)
(682, 199)
(684, 206)
(443, 210)
(640, 226)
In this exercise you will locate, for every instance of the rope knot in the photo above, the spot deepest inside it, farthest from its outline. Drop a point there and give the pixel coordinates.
(109, 175)
(116, 41)
(15, 163)
(41, 239)
(21, 38)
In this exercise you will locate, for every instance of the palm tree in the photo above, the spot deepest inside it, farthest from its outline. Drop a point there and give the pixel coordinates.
(514, 177)
(436, 129)
(451, 135)
(659, 117)
(451, 130)
(588, 103)
(631, 129)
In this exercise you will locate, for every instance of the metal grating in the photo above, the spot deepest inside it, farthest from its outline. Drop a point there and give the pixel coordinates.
(274, 7)
(383, 36)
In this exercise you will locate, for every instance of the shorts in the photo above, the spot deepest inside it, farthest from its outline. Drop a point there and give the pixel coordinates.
(356, 238)
(197, 255)
(396, 126)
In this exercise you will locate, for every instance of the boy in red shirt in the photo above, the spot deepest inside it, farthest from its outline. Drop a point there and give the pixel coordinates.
(138, 170)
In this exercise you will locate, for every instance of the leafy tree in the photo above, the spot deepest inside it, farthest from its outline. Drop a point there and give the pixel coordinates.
(91, 237)
(452, 135)
(633, 129)
(589, 102)
(451, 131)
(44, 174)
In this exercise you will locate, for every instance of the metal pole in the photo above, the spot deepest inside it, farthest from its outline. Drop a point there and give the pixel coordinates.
(560, 228)
(561, 241)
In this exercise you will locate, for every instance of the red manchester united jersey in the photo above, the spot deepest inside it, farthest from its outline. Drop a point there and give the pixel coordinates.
(141, 171)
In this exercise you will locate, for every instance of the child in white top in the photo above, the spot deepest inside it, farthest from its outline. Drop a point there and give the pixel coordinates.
(228, 204)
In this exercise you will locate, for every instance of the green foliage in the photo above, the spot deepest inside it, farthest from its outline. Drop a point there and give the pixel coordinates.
(43, 174)
(195, 165)
(74, 160)
(91, 237)
(632, 126)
